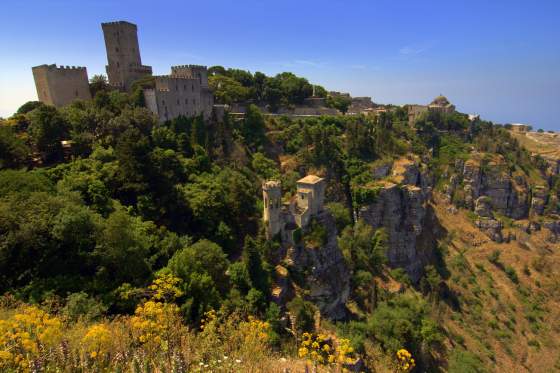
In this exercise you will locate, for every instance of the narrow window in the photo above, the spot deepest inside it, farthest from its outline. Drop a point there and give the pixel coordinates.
(117, 49)
(178, 102)
(186, 101)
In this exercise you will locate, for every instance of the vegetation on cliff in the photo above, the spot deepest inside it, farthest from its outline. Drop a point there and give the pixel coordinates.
(132, 245)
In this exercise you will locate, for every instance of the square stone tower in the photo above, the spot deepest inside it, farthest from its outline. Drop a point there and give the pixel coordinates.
(59, 86)
(311, 194)
(123, 54)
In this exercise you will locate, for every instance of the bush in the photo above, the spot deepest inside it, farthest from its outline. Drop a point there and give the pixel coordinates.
(494, 257)
(461, 361)
(512, 274)
(81, 306)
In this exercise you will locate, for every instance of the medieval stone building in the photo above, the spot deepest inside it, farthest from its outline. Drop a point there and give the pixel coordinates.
(59, 86)
(123, 54)
(285, 218)
(184, 92)
(440, 104)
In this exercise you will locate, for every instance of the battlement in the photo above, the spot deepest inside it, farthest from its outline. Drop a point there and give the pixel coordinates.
(271, 184)
(119, 23)
(189, 67)
(54, 67)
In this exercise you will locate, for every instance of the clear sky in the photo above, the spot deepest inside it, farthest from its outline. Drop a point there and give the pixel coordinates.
(498, 58)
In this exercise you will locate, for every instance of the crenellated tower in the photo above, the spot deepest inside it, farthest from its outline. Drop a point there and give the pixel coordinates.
(123, 54)
(61, 85)
(272, 200)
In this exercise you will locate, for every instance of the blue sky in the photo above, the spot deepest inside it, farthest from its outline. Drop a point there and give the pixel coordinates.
(498, 58)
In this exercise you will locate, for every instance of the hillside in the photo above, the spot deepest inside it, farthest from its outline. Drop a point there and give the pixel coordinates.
(261, 242)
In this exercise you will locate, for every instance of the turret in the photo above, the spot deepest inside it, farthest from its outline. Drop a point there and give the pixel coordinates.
(272, 202)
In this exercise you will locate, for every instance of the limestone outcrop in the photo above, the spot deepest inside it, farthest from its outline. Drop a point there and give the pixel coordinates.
(322, 271)
(400, 208)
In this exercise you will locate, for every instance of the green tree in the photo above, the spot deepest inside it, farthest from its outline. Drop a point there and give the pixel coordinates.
(47, 129)
(13, 150)
(339, 102)
(202, 267)
(29, 106)
(227, 90)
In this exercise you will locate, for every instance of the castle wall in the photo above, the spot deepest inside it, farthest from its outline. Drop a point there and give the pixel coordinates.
(123, 54)
(184, 92)
(414, 111)
(194, 71)
(60, 86)
(174, 96)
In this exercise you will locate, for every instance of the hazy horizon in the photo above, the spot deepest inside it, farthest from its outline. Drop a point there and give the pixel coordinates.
(497, 59)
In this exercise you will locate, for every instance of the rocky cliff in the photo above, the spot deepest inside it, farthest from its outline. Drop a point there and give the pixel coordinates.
(321, 272)
(400, 208)
(490, 187)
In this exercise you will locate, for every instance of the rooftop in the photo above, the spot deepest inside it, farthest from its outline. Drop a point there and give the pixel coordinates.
(310, 179)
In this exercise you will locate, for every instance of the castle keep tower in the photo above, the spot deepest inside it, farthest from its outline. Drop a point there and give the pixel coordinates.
(272, 199)
(184, 92)
(59, 86)
(123, 54)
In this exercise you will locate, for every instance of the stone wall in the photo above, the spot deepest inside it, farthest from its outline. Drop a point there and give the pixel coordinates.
(59, 86)
(175, 95)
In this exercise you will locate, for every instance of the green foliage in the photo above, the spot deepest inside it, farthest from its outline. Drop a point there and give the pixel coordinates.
(494, 257)
(47, 129)
(403, 322)
(461, 361)
(341, 213)
(316, 235)
(511, 274)
(400, 275)
(28, 106)
(23, 182)
(80, 306)
(264, 167)
(364, 248)
(304, 314)
(234, 85)
(339, 102)
(227, 90)
(202, 268)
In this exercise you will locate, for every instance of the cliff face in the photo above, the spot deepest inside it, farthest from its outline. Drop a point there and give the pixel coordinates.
(400, 208)
(489, 187)
(508, 193)
(324, 273)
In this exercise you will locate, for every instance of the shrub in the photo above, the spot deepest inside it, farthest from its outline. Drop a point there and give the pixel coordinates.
(494, 257)
(512, 274)
(461, 361)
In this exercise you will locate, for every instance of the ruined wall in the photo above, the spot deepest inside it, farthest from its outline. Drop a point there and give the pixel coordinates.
(60, 86)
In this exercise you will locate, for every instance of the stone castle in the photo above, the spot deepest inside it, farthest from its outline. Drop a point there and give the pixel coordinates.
(183, 92)
(284, 218)
(123, 54)
(59, 86)
(440, 104)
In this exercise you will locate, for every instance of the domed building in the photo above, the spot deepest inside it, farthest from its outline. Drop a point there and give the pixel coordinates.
(440, 104)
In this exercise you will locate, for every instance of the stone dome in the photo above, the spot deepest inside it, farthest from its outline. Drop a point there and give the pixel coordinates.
(440, 101)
